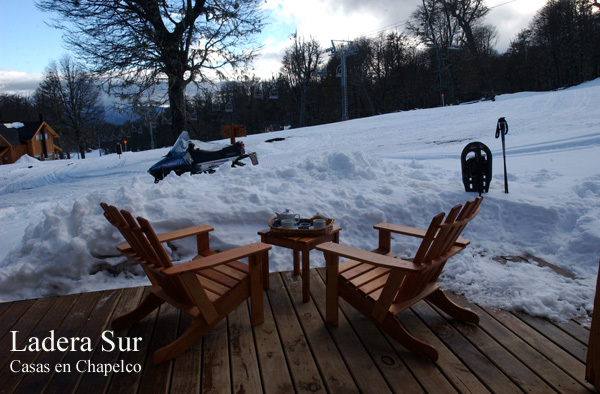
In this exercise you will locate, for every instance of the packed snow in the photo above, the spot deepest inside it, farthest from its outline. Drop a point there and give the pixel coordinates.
(535, 249)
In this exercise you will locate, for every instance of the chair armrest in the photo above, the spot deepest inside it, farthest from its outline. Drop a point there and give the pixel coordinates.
(413, 232)
(173, 235)
(218, 258)
(369, 257)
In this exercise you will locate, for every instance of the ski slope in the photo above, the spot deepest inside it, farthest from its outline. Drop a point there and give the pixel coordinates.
(535, 249)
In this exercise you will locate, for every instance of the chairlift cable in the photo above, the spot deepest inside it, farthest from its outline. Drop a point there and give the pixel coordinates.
(505, 3)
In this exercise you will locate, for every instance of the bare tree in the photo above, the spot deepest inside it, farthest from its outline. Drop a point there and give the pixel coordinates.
(437, 29)
(469, 14)
(300, 62)
(69, 98)
(139, 43)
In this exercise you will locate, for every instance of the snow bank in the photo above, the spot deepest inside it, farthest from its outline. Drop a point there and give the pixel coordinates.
(402, 168)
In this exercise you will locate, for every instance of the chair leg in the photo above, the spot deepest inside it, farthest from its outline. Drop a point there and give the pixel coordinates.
(257, 312)
(396, 330)
(150, 303)
(196, 330)
(441, 300)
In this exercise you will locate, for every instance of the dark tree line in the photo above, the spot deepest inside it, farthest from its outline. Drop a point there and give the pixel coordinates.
(560, 48)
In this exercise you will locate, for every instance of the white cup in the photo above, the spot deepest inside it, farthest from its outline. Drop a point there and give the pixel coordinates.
(288, 223)
(319, 223)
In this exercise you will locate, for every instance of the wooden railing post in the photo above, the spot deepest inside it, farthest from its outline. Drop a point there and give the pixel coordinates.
(592, 369)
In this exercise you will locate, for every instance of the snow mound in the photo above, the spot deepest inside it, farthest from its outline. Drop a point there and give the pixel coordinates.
(26, 160)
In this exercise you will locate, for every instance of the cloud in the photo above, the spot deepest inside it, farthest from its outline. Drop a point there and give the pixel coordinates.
(327, 20)
(18, 82)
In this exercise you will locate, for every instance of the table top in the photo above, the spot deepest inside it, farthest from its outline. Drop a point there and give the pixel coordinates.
(301, 239)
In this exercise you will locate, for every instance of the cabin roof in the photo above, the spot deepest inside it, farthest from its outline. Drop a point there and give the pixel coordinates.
(10, 135)
(20, 135)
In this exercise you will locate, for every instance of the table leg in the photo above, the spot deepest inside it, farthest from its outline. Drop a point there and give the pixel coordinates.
(296, 262)
(265, 271)
(306, 275)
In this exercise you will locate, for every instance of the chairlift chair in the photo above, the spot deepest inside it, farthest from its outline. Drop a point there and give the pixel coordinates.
(229, 106)
(320, 73)
(216, 107)
(192, 115)
(274, 94)
(258, 93)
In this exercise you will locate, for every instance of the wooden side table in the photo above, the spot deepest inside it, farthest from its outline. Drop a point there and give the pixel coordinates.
(298, 244)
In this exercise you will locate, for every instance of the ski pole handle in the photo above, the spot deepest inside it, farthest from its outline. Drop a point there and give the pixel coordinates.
(501, 127)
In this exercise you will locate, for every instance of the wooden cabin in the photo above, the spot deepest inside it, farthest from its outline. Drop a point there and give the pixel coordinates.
(35, 139)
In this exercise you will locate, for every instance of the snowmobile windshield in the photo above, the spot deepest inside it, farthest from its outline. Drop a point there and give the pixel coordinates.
(181, 144)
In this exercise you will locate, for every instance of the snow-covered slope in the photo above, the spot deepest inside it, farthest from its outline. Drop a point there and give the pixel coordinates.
(402, 168)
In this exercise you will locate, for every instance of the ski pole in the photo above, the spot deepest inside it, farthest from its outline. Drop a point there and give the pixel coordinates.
(502, 130)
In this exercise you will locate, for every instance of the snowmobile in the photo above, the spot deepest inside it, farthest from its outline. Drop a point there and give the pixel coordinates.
(195, 157)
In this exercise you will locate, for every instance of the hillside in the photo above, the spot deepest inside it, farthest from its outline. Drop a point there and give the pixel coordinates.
(402, 168)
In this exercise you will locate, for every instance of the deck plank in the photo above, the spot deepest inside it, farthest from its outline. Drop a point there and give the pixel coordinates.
(187, 368)
(294, 350)
(333, 369)
(568, 363)
(576, 330)
(276, 378)
(451, 366)
(69, 327)
(361, 365)
(477, 362)
(165, 331)
(125, 301)
(216, 377)
(503, 359)
(559, 336)
(381, 356)
(130, 382)
(245, 373)
(303, 368)
(50, 321)
(12, 312)
(558, 379)
(24, 325)
(400, 369)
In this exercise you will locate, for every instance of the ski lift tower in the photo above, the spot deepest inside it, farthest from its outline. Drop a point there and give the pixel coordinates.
(344, 49)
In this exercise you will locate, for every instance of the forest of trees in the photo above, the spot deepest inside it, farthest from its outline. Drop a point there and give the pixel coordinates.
(445, 57)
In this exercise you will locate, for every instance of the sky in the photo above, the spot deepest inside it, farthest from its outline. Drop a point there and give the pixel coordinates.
(28, 45)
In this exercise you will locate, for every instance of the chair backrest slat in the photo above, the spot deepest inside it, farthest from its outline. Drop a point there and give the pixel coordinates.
(436, 248)
(421, 255)
(162, 256)
(148, 251)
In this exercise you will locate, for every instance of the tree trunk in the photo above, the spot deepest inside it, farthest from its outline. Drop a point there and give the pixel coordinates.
(177, 103)
(303, 92)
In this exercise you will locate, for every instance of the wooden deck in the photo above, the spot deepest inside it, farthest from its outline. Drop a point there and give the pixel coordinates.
(292, 351)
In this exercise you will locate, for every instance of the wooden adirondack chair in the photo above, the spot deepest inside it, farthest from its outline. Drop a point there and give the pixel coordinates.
(380, 285)
(208, 287)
